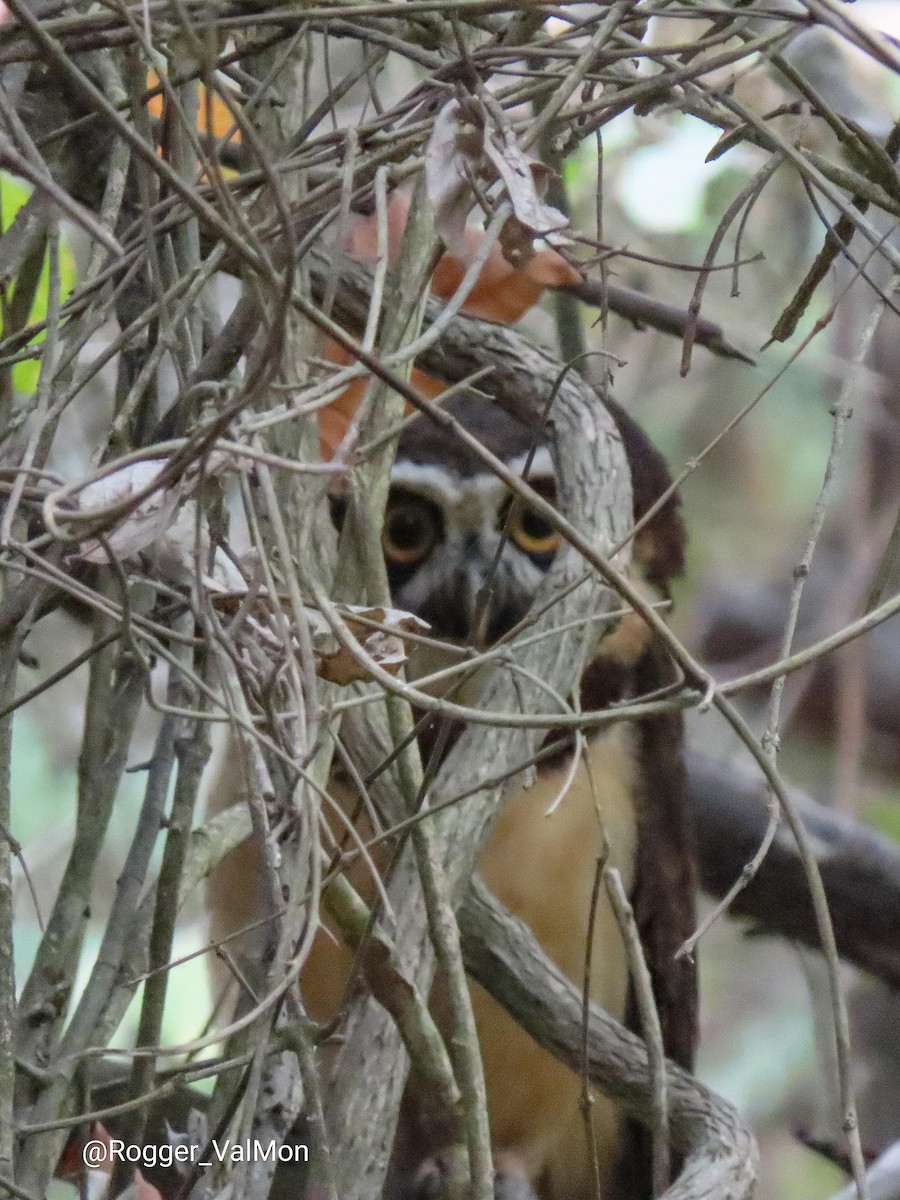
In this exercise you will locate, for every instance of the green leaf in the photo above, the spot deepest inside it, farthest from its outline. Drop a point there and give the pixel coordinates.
(13, 194)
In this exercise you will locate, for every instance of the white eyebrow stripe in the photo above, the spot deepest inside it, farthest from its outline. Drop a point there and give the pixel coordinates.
(428, 479)
(541, 464)
(446, 487)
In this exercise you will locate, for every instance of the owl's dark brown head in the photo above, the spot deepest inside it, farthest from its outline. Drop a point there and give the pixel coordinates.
(446, 516)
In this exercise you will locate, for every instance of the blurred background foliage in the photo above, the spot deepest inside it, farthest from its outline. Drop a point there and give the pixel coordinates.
(765, 1041)
(747, 509)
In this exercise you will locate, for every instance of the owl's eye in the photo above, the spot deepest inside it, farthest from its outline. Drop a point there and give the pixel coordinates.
(411, 530)
(527, 529)
(531, 532)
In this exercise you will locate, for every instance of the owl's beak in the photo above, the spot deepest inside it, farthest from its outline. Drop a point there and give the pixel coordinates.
(478, 605)
(472, 624)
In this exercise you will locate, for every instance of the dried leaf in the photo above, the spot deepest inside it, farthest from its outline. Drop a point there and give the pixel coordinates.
(92, 1181)
(454, 153)
(397, 619)
(525, 181)
(71, 1166)
(465, 146)
(162, 518)
(119, 486)
(342, 667)
(502, 293)
(335, 663)
(516, 243)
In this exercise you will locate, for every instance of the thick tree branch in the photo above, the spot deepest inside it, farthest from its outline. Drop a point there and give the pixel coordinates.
(860, 868)
(505, 958)
(594, 493)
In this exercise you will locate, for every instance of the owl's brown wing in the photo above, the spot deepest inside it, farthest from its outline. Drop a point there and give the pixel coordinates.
(666, 880)
(663, 899)
(666, 876)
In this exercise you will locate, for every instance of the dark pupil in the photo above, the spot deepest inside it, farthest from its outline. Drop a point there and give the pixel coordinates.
(534, 526)
(407, 530)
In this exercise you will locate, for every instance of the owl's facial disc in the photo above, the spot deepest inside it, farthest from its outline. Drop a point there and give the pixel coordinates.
(442, 534)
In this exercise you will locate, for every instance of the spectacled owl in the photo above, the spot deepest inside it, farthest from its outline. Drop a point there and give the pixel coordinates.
(467, 558)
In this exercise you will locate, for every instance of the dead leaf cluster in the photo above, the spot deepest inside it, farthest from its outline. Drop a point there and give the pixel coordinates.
(378, 631)
(164, 520)
(470, 159)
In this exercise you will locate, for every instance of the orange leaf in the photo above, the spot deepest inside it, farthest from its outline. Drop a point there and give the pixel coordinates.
(502, 294)
(220, 118)
(334, 421)
(71, 1165)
